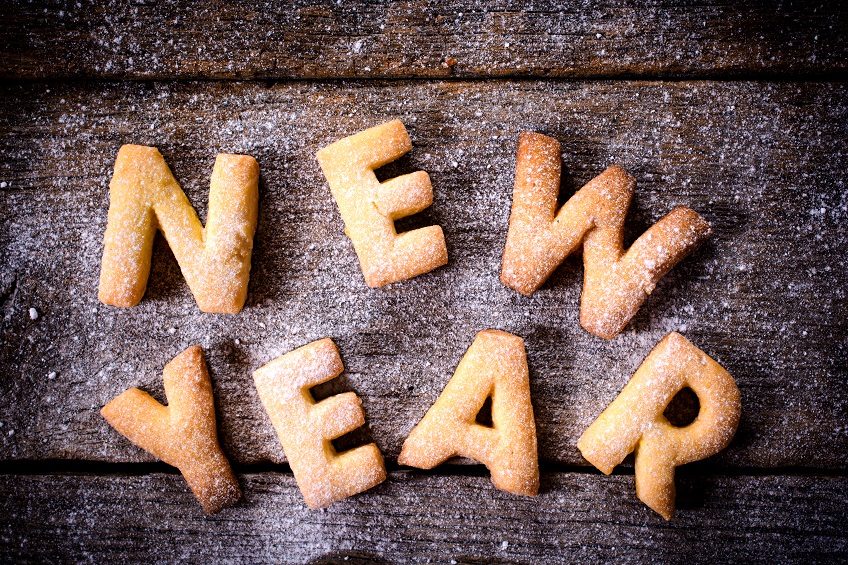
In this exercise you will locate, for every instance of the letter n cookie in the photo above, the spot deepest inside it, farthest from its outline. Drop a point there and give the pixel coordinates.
(215, 260)
(369, 208)
(305, 427)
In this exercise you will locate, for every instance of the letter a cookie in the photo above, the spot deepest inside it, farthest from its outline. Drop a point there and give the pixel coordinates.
(214, 260)
(182, 434)
(305, 427)
(495, 365)
(615, 283)
(635, 421)
(369, 208)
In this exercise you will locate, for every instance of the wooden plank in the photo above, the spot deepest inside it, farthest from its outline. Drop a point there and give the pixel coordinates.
(418, 518)
(127, 39)
(765, 297)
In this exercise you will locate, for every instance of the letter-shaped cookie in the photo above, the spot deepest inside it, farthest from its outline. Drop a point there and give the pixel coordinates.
(215, 261)
(635, 420)
(495, 365)
(615, 283)
(369, 207)
(183, 433)
(305, 427)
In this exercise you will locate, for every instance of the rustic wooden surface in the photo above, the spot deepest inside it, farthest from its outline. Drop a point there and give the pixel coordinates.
(762, 160)
(128, 39)
(132, 518)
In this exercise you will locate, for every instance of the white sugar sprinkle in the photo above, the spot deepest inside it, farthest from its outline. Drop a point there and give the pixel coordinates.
(33, 314)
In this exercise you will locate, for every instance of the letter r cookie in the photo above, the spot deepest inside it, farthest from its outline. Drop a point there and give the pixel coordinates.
(635, 421)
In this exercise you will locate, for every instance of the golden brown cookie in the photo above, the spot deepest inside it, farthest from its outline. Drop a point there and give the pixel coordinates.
(495, 365)
(635, 420)
(540, 237)
(215, 260)
(305, 427)
(369, 207)
(182, 434)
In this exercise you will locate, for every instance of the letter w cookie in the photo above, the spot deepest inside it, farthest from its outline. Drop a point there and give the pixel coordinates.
(215, 260)
(615, 283)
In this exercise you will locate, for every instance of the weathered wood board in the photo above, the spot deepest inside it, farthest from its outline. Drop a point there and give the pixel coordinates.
(128, 39)
(763, 162)
(575, 518)
(704, 102)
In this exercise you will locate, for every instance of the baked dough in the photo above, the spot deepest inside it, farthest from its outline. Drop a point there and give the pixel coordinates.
(305, 427)
(215, 261)
(635, 421)
(182, 434)
(369, 207)
(615, 283)
(495, 365)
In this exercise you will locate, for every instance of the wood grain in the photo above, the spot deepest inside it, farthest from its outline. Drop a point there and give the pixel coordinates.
(422, 518)
(127, 39)
(763, 162)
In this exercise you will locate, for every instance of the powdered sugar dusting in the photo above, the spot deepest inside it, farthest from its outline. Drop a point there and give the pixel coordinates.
(722, 149)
